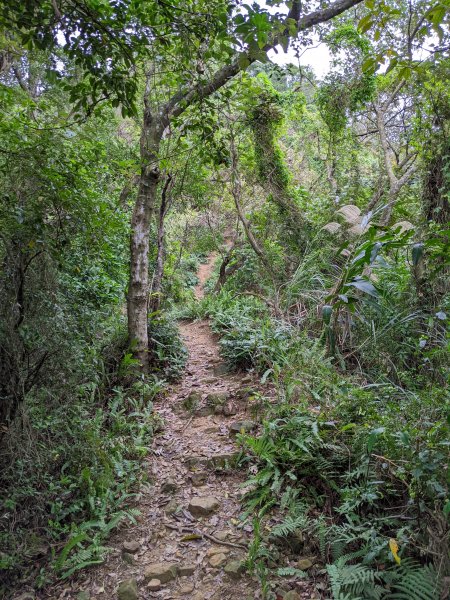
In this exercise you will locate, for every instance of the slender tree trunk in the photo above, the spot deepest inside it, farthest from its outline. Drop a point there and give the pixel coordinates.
(138, 290)
(155, 300)
(226, 270)
(395, 183)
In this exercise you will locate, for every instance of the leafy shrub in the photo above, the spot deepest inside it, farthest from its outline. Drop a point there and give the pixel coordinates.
(359, 472)
(168, 351)
(74, 462)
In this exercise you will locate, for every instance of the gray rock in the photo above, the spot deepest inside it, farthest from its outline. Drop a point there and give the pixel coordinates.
(163, 571)
(221, 369)
(241, 427)
(192, 401)
(154, 585)
(128, 590)
(128, 558)
(187, 588)
(216, 399)
(82, 596)
(205, 411)
(217, 560)
(169, 486)
(199, 478)
(132, 546)
(245, 393)
(305, 563)
(217, 550)
(234, 569)
(222, 461)
(292, 596)
(172, 507)
(195, 462)
(203, 506)
(186, 570)
(229, 409)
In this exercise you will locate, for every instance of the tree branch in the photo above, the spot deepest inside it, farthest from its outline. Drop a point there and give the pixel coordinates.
(185, 97)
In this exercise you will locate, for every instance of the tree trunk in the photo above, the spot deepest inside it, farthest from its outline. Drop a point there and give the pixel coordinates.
(138, 290)
(226, 270)
(155, 300)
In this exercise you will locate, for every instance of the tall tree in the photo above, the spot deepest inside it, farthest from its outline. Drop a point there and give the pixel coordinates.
(257, 34)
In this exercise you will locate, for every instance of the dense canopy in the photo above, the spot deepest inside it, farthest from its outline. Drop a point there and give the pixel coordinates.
(224, 275)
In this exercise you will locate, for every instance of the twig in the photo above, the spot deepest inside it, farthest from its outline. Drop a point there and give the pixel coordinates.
(207, 536)
(186, 425)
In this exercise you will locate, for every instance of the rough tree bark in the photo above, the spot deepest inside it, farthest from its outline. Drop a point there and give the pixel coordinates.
(138, 289)
(156, 288)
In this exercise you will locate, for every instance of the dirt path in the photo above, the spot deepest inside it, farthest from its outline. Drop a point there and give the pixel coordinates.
(193, 491)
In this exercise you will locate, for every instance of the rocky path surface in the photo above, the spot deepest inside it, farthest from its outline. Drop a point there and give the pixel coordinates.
(189, 541)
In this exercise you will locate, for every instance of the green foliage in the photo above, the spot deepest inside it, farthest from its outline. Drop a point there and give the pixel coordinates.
(350, 89)
(344, 458)
(76, 475)
(168, 352)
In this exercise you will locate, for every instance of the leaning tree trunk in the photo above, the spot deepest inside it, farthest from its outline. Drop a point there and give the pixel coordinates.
(138, 290)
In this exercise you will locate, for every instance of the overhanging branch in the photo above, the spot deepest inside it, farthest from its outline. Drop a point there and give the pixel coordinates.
(186, 96)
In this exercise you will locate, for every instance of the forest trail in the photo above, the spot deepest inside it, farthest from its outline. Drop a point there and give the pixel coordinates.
(189, 537)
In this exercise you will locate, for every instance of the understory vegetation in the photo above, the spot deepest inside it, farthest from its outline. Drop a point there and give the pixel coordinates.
(140, 139)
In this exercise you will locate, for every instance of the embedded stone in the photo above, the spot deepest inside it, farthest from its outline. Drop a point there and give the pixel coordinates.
(198, 478)
(203, 506)
(221, 369)
(221, 461)
(194, 462)
(304, 564)
(292, 595)
(241, 427)
(172, 507)
(169, 486)
(216, 398)
(205, 411)
(81, 596)
(154, 585)
(128, 558)
(245, 393)
(217, 550)
(132, 547)
(186, 570)
(234, 569)
(192, 401)
(217, 560)
(229, 409)
(128, 590)
(188, 588)
(163, 571)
